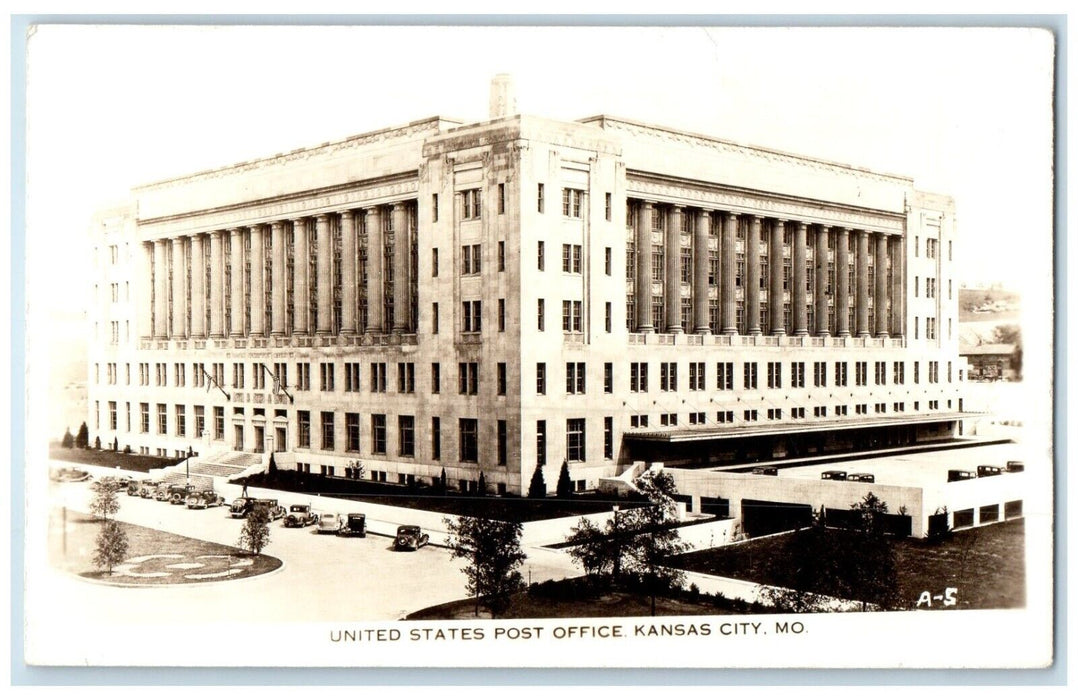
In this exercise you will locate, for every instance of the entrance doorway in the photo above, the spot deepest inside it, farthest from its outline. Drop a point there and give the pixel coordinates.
(260, 439)
(282, 443)
(237, 444)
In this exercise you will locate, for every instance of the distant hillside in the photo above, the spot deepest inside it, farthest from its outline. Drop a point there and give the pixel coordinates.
(988, 305)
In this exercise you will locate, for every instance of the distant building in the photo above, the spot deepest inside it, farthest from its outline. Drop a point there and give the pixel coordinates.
(991, 362)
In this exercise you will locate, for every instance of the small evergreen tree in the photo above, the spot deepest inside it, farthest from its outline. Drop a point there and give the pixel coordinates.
(443, 483)
(272, 464)
(97, 442)
(255, 534)
(115, 444)
(482, 487)
(68, 439)
(537, 487)
(565, 483)
(82, 440)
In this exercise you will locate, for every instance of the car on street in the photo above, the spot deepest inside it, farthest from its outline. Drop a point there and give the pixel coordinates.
(960, 475)
(833, 475)
(148, 488)
(355, 525)
(178, 493)
(207, 498)
(1015, 466)
(766, 471)
(242, 507)
(70, 475)
(300, 515)
(329, 523)
(989, 470)
(867, 478)
(410, 537)
(134, 487)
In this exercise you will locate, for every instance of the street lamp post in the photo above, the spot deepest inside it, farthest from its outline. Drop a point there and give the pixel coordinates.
(617, 545)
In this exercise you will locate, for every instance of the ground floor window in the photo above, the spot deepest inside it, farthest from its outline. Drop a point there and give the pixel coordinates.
(469, 440)
(575, 439)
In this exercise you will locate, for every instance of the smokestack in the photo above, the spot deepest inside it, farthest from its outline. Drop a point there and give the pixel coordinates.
(503, 97)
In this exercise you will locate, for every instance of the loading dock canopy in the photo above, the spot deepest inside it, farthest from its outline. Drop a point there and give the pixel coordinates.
(720, 432)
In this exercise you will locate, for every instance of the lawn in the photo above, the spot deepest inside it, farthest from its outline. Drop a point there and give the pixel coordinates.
(154, 557)
(985, 564)
(109, 458)
(509, 508)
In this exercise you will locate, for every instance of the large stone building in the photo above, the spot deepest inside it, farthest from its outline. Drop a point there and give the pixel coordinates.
(489, 297)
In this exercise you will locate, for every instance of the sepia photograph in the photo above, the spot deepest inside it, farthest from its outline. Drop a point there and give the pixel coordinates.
(539, 346)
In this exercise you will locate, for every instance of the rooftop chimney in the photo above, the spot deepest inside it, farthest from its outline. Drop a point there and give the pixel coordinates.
(503, 98)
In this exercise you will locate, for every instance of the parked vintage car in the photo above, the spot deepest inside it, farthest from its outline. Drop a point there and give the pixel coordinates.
(1015, 466)
(242, 507)
(134, 487)
(204, 499)
(766, 471)
(66, 474)
(834, 475)
(300, 515)
(960, 475)
(989, 470)
(355, 525)
(867, 478)
(410, 537)
(178, 493)
(148, 488)
(329, 523)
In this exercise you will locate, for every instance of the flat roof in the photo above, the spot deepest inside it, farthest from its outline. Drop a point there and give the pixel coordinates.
(721, 432)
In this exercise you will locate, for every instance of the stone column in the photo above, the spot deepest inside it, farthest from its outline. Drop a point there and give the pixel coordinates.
(729, 274)
(672, 288)
(375, 265)
(898, 291)
(179, 290)
(402, 306)
(881, 285)
(217, 285)
(643, 268)
(775, 296)
(700, 302)
(752, 286)
(821, 282)
(862, 285)
(348, 273)
(301, 303)
(258, 288)
(842, 282)
(277, 279)
(160, 289)
(797, 298)
(144, 293)
(198, 287)
(324, 258)
(236, 302)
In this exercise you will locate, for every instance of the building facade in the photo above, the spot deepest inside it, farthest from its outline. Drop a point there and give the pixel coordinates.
(497, 296)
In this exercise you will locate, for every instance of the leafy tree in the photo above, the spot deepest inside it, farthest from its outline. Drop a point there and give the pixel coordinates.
(82, 440)
(68, 439)
(596, 550)
(104, 501)
(653, 539)
(481, 487)
(255, 534)
(565, 483)
(874, 569)
(537, 487)
(111, 545)
(492, 551)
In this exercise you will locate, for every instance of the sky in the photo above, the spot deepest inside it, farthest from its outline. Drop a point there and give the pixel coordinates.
(966, 112)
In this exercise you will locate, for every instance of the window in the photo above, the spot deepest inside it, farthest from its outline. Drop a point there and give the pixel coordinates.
(640, 421)
(469, 377)
(303, 376)
(501, 378)
(378, 377)
(638, 377)
(501, 315)
(570, 202)
(541, 314)
(750, 375)
(751, 415)
(668, 419)
(540, 443)
(471, 204)
(179, 374)
(898, 371)
(218, 422)
(112, 414)
(351, 432)
(471, 259)
(434, 213)
(797, 375)
(608, 378)
(144, 417)
(162, 419)
(258, 376)
(434, 318)
(540, 378)
(696, 376)
(351, 376)
(406, 436)
(181, 418)
(541, 256)
(405, 377)
(327, 430)
(819, 374)
(881, 373)
(774, 375)
(378, 434)
(571, 316)
(841, 374)
(501, 197)
(725, 373)
(860, 373)
(667, 376)
(501, 256)
(608, 437)
(436, 437)
(326, 373)
(571, 257)
(469, 440)
(608, 318)
(575, 440)
(608, 261)
(473, 316)
(574, 378)
(541, 199)
(503, 443)
(435, 378)
(609, 208)
(434, 259)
